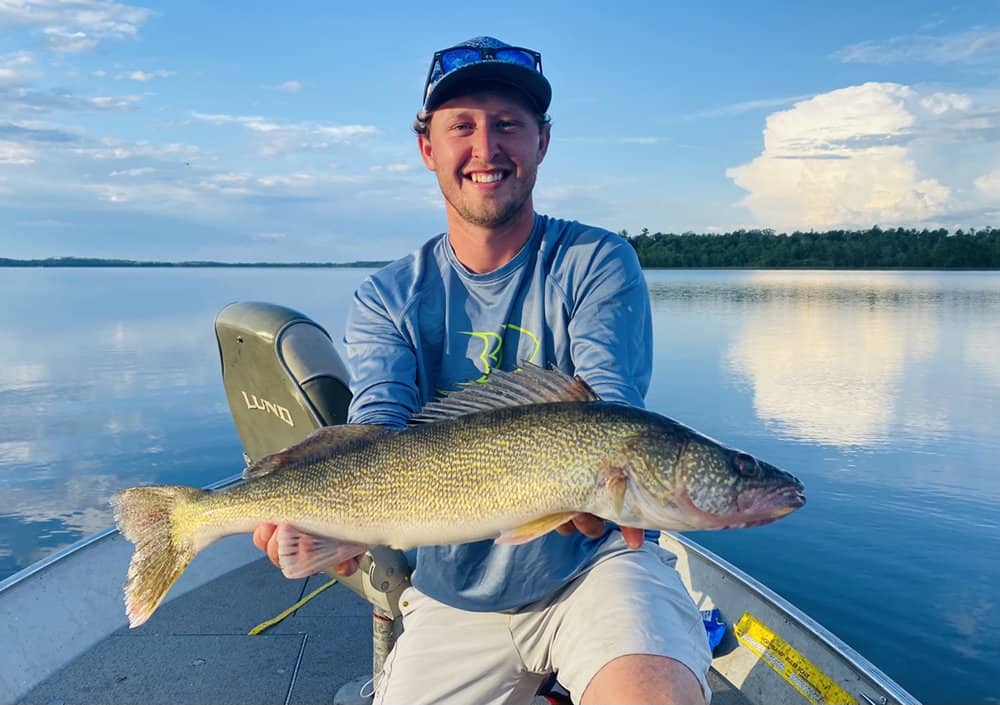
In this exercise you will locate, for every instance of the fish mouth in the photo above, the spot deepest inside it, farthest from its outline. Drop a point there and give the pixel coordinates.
(752, 508)
(768, 508)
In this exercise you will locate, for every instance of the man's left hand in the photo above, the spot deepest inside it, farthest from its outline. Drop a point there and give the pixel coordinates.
(593, 526)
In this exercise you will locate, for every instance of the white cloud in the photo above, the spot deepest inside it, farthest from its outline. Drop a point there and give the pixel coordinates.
(126, 102)
(940, 103)
(116, 149)
(12, 68)
(71, 26)
(67, 42)
(861, 155)
(394, 168)
(16, 58)
(143, 76)
(274, 138)
(290, 87)
(989, 186)
(978, 45)
(24, 101)
(14, 153)
(141, 171)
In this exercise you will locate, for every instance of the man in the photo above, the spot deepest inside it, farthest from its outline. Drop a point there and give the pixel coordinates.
(598, 605)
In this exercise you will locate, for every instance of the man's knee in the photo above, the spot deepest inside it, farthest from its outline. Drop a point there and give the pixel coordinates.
(641, 679)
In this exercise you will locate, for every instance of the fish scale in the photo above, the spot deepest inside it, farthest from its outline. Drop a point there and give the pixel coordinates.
(472, 467)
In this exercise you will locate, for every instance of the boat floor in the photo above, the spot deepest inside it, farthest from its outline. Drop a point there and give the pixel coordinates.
(195, 649)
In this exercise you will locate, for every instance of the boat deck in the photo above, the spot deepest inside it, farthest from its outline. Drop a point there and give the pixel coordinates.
(195, 649)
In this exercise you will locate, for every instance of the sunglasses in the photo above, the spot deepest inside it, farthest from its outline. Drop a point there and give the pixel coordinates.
(456, 57)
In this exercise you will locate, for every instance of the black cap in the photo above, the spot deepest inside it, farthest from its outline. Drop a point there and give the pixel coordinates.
(444, 85)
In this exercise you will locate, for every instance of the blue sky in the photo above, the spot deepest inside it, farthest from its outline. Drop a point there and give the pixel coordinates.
(257, 131)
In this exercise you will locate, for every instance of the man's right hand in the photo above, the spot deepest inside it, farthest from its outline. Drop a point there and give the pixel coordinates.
(264, 538)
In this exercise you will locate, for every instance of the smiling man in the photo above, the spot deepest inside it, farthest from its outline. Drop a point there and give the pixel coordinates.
(600, 606)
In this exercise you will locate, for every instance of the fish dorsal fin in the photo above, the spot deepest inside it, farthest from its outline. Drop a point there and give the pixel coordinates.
(530, 384)
(321, 440)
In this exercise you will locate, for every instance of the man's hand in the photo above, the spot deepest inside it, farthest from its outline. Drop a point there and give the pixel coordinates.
(593, 526)
(264, 538)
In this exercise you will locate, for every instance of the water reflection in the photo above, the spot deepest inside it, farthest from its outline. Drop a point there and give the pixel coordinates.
(879, 389)
(850, 358)
(110, 378)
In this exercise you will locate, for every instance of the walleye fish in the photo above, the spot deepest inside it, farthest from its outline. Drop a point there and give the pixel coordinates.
(510, 459)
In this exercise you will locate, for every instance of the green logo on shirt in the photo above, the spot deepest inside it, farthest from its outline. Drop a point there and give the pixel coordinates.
(492, 352)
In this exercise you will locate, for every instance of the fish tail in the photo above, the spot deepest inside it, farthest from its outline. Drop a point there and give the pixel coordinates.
(148, 517)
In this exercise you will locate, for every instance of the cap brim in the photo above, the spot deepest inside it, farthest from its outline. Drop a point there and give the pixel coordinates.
(533, 84)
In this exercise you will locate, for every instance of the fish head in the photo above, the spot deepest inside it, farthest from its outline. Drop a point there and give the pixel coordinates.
(689, 481)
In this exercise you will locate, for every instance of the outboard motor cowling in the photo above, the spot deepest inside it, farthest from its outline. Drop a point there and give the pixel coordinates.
(282, 375)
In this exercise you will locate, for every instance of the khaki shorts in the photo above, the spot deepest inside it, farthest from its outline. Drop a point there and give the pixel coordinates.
(629, 602)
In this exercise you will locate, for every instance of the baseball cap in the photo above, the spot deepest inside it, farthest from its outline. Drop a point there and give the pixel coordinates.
(480, 59)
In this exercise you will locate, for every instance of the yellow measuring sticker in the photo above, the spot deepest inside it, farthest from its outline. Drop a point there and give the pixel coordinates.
(800, 672)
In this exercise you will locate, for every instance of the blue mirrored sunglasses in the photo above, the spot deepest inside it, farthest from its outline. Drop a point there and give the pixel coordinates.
(450, 59)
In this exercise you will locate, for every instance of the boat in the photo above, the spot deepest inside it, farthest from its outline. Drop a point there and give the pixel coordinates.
(66, 634)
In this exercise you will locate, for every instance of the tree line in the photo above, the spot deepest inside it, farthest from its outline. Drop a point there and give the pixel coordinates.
(835, 249)
(751, 249)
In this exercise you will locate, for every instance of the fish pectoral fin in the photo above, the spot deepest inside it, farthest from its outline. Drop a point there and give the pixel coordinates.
(302, 555)
(615, 482)
(534, 528)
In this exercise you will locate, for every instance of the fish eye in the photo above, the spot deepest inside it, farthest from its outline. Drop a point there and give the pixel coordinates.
(746, 465)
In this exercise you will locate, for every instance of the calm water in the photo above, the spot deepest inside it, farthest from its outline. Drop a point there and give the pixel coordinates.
(879, 390)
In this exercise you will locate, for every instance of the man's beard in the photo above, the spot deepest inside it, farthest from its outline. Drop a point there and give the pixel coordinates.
(492, 215)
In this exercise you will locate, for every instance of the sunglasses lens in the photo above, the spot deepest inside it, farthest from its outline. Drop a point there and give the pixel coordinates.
(516, 56)
(454, 58)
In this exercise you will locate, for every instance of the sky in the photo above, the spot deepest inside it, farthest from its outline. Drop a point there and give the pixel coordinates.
(251, 131)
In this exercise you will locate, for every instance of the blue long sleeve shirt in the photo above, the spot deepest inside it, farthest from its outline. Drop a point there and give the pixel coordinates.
(574, 296)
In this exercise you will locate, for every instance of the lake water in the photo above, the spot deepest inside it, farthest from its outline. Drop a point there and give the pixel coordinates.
(879, 390)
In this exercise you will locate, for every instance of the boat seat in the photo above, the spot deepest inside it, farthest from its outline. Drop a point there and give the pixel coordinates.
(283, 379)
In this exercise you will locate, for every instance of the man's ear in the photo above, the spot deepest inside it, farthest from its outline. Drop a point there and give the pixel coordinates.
(544, 136)
(426, 152)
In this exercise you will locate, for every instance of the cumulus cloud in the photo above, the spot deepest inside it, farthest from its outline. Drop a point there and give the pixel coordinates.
(290, 87)
(275, 138)
(849, 158)
(980, 45)
(72, 26)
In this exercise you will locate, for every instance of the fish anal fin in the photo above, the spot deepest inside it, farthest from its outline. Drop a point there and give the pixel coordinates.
(321, 440)
(302, 554)
(534, 528)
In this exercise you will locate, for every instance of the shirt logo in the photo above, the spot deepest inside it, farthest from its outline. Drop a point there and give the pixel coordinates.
(491, 355)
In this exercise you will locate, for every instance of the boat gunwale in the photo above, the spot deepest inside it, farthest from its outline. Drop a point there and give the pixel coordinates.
(827, 638)
(66, 551)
